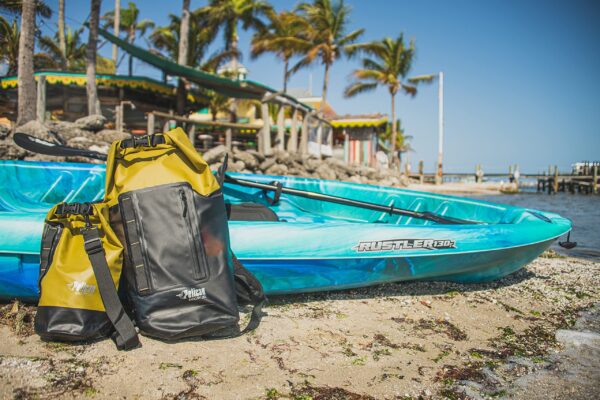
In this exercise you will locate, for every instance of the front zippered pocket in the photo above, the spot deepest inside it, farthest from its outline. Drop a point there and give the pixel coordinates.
(194, 237)
(163, 236)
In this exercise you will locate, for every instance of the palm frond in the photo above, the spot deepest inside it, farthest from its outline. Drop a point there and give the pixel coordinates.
(358, 88)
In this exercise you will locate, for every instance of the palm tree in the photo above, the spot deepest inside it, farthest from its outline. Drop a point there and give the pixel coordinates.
(386, 63)
(9, 44)
(92, 93)
(403, 144)
(165, 40)
(285, 36)
(328, 36)
(130, 25)
(73, 57)
(26, 108)
(228, 14)
(15, 7)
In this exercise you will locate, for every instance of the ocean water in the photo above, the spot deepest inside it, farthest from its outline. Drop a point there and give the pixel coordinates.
(582, 210)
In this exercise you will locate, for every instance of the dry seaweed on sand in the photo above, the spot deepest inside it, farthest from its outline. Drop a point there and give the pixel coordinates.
(18, 317)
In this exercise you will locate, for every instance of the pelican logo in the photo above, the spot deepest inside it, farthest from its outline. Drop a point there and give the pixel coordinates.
(192, 294)
(81, 288)
(404, 244)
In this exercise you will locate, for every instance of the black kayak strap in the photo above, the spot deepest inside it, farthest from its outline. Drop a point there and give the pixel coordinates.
(248, 291)
(125, 336)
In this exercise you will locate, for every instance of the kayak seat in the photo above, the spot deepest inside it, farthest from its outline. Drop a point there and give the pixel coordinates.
(250, 212)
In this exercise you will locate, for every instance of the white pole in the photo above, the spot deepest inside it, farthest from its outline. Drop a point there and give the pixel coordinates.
(440, 127)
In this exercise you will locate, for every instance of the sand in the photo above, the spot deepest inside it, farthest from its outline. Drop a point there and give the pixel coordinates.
(462, 188)
(534, 334)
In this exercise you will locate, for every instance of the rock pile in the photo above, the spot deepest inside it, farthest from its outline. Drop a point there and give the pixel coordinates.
(89, 133)
(84, 133)
(284, 163)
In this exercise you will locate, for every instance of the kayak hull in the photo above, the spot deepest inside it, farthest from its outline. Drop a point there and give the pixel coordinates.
(315, 246)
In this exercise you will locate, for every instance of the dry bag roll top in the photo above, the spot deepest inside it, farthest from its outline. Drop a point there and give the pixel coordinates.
(169, 211)
(80, 269)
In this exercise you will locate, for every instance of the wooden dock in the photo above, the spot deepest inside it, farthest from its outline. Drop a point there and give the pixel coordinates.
(584, 181)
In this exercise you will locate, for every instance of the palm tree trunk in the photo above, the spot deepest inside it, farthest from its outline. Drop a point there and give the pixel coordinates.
(131, 40)
(116, 26)
(182, 55)
(285, 74)
(392, 154)
(62, 43)
(234, 47)
(324, 94)
(92, 92)
(26, 109)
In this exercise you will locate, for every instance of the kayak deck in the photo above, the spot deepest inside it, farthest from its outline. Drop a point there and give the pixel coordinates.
(313, 245)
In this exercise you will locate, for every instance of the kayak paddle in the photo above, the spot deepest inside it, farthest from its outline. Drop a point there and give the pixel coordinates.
(41, 146)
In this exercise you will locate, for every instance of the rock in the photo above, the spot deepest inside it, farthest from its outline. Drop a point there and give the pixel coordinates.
(277, 169)
(215, 154)
(326, 172)
(4, 131)
(68, 130)
(339, 165)
(311, 164)
(36, 129)
(268, 163)
(237, 166)
(111, 135)
(92, 123)
(354, 178)
(259, 157)
(282, 156)
(247, 158)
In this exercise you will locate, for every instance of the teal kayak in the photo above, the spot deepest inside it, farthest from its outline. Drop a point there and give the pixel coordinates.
(302, 245)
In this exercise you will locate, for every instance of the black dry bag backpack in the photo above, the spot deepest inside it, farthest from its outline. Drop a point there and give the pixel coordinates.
(168, 210)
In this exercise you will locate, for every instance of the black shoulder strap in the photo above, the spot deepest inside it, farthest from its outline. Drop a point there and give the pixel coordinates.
(249, 291)
(125, 337)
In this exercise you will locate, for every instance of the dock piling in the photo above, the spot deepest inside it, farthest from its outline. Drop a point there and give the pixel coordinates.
(595, 179)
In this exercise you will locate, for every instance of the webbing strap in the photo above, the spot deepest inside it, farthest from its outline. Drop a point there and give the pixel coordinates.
(250, 290)
(48, 238)
(135, 247)
(125, 335)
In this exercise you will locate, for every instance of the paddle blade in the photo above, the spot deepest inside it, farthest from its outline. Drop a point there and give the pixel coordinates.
(42, 146)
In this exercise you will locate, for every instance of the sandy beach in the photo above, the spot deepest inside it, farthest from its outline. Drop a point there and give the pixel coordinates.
(536, 329)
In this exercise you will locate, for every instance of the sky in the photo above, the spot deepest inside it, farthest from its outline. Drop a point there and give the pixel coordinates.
(520, 76)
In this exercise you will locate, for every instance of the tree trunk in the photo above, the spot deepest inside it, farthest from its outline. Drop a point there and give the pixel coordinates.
(27, 92)
(234, 46)
(285, 74)
(392, 154)
(92, 92)
(131, 40)
(324, 94)
(182, 55)
(281, 127)
(62, 43)
(116, 26)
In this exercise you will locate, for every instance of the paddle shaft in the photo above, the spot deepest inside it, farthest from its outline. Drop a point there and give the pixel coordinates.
(347, 202)
(41, 146)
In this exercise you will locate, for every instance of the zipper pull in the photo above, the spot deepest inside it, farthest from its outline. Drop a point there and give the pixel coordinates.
(184, 200)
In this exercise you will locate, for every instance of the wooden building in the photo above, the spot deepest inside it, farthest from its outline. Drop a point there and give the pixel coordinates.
(358, 136)
(66, 99)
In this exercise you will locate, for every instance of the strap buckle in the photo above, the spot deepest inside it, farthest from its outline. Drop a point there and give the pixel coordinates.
(92, 243)
(75, 208)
